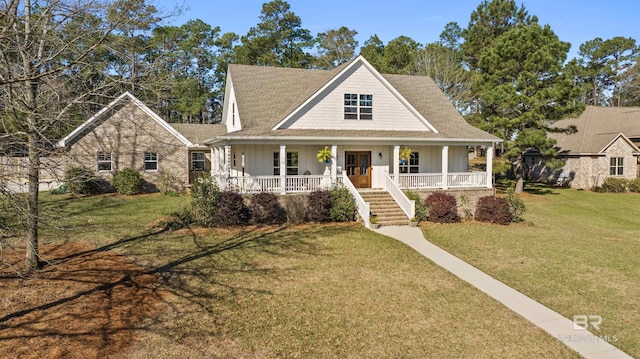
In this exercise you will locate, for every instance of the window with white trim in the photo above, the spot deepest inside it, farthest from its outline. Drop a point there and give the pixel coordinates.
(413, 166)
(150, 161)
(616, 166)
(104, 161)
(358, 106)
(292, 163)
(197, 161)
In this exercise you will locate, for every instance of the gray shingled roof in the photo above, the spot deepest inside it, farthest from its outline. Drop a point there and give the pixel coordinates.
(266, 95)
(597, 127)
(198, 133)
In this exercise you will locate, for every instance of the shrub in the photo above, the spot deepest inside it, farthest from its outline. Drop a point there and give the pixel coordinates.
(296, 209)
(516, 206)
(231, 210)
(81, 180)
(205, 196)
(615, 185)
(442, 208)
(465, 206)
(493, 210)
(318, 206)
(178, 219)
(265, 209)
(343, 205)
(422, 210)
(634, 185)
(169, 183)
(128, 182)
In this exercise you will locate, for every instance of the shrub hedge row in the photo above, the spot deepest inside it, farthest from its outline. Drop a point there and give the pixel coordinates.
(214, 208)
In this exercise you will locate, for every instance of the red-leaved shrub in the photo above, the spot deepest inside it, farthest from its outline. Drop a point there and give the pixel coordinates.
(493, 210)
(443, 208)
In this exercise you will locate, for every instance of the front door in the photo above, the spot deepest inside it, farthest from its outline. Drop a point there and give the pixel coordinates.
(358, 166)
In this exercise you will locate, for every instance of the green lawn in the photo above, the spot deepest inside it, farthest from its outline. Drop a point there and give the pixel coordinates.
(301, 291)
(577, 252)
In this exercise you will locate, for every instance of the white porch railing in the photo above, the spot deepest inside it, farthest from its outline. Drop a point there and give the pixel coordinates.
(434, 180)
(253, 184)
(362, 206)
(467, 180)
(408, 206)
(257, 184)
(307, 183)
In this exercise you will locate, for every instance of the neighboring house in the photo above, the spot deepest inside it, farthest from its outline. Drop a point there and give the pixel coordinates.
(606, 145)
(127, 134)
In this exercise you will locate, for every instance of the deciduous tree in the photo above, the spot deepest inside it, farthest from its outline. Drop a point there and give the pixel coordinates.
(46, 48)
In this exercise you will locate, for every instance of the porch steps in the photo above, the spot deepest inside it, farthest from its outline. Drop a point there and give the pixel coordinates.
(385, 208)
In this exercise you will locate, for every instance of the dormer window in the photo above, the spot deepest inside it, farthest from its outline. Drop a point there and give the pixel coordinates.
(358, 106)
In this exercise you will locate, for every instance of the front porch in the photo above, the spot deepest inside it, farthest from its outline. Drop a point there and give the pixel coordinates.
(293, 168)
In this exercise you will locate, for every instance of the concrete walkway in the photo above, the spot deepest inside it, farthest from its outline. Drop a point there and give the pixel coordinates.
(582, 341)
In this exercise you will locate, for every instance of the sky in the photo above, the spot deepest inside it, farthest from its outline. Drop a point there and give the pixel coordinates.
(574, 21)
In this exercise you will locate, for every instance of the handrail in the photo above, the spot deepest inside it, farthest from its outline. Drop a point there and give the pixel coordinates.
(362, 206)
(408, 206)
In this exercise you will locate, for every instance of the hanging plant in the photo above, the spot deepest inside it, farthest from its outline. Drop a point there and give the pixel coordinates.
(405, 154)
(324, 155)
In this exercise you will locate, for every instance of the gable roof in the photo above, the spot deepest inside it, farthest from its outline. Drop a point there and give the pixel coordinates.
(267, 96)
(343, 73)
(598, 127)
(112, 105)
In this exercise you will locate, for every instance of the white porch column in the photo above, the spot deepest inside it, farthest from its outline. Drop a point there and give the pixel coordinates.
(334, 163)
(227, 160)
(490, 166)
(283, 168)
(396, 164)
(214, 161)
(227, 165)
(445, 167)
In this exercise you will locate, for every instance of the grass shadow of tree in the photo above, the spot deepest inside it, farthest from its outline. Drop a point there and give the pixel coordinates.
(91, 300)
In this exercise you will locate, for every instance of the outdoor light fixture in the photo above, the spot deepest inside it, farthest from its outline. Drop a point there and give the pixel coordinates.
(380, 154)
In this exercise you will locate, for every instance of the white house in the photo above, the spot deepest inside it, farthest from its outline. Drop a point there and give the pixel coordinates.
(277, 120)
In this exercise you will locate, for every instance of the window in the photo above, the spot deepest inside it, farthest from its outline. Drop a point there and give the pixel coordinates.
(104, 161)
(366, 107)
(150, 161)
(350, 106)
(358, 106)
(616, 167)
(233, 114)
(292, 163)
(413, 166)
(197, 161)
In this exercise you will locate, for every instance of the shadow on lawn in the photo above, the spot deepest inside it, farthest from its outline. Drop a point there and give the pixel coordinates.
(91, 300)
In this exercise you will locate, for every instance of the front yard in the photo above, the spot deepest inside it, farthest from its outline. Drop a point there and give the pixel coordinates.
(291, 291)
(577, 253)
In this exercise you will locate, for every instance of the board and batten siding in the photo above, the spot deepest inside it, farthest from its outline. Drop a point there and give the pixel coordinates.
(326, 111)
(258, 159)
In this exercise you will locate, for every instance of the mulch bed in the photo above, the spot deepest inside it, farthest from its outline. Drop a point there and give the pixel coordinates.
(84, 303)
